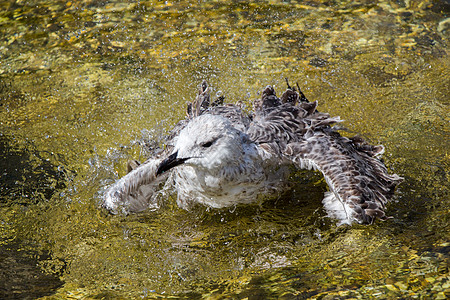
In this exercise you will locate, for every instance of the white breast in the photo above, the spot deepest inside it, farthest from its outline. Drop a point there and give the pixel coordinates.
(248, 185)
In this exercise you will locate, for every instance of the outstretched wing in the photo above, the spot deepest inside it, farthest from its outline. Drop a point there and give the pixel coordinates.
(134, 192)
(291, 127)
(359, 183)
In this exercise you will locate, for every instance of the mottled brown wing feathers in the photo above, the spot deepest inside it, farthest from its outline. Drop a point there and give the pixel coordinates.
(360, 184)
(279, 122)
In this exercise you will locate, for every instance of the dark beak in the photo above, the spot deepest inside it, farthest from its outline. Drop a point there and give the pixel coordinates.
(169, 163)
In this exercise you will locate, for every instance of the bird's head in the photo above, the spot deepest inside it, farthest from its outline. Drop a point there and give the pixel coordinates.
(208, 142)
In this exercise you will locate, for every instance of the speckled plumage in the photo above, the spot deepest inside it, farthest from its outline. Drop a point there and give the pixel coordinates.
(221, 156)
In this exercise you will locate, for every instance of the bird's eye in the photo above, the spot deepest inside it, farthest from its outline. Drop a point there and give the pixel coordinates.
(207, 144)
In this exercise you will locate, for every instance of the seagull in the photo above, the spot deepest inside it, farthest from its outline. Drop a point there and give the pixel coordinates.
(221, 156)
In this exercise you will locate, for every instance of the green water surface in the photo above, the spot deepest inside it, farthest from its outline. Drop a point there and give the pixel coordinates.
(87, 85)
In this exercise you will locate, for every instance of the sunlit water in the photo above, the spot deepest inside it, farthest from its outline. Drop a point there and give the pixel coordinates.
(87, 85)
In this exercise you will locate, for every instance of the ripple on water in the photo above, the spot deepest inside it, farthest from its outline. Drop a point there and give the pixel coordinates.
(79, 81)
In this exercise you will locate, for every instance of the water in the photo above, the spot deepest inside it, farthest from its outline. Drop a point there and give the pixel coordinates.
(85, 86)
